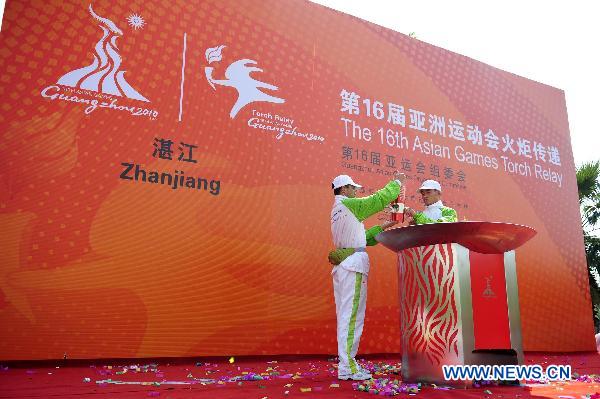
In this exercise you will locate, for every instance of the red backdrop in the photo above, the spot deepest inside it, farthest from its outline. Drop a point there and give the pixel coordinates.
(252, 107)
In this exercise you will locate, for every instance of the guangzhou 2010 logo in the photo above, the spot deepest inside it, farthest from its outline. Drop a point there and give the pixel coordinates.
(101, 83)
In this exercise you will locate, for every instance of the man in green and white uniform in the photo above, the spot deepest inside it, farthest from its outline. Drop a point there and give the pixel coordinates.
(435, 211)
(350, 276)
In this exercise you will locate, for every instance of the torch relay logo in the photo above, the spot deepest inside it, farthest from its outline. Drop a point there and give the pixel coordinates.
(238, 77)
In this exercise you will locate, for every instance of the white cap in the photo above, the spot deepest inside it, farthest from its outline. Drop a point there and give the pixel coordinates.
(430, 185)
(344, 180)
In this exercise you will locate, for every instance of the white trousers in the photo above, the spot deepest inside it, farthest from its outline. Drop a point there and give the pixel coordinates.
(350, 291)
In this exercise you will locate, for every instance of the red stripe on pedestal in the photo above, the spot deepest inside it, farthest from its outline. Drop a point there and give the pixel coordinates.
(490, 309)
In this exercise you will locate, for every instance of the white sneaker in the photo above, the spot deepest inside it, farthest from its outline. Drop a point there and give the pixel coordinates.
(360, 375)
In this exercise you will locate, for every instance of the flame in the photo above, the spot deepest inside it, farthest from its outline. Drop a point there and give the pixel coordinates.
(214, 53)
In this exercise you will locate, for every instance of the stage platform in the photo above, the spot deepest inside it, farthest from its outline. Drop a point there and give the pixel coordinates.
(263, 377)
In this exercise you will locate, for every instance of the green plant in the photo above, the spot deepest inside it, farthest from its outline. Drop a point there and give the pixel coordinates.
(588, 188)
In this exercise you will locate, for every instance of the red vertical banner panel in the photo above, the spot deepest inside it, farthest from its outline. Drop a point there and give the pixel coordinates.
(490, 310)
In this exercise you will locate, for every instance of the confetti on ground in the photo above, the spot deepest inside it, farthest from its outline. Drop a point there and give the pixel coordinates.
(380, 368)
(385, 387)
(588, 378)
(284, 378)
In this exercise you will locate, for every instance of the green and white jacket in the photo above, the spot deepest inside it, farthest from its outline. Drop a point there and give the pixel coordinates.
(436, 213)
(347, 226)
